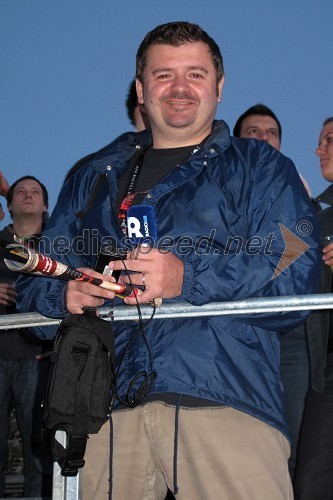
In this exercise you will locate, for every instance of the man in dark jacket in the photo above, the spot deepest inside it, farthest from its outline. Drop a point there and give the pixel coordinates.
(314, 474)
(299, 353)
(199, 402)
(23, 369)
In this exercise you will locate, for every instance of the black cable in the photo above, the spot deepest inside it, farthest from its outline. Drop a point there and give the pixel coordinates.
(136, 396)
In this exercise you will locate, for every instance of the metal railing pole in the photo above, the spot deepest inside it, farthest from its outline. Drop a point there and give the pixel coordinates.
(184, 309)
(65, 487)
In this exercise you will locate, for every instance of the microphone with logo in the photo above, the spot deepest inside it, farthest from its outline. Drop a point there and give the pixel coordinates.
(141, 225)
(142, 229)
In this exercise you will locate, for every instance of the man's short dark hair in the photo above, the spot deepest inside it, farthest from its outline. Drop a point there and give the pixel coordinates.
(257, 109)
(131, 102)
(328, 120)
(28, 177)
(175, 34)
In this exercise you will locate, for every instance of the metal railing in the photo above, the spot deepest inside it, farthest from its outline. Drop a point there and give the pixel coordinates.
(65, 487)
(182, 310)
(69, 488)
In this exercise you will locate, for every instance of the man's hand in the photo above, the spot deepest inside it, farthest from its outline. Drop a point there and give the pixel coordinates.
(328, 255)
(161, 274)
(80, 294)
(7, 294)
(4, 186)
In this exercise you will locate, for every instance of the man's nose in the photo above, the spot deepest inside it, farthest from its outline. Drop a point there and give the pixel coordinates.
(263, 135)
(180, 83)
(320, 151)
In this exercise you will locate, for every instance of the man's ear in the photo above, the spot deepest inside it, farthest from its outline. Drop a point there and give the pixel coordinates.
(139, 91)
(219, 89)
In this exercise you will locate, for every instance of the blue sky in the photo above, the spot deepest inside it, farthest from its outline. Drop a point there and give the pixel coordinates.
(66, 66)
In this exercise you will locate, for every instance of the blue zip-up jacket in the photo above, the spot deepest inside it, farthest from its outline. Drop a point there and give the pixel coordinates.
(229, 187)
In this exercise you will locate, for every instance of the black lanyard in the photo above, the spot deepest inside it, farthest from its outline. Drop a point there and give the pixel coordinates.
(130, 191)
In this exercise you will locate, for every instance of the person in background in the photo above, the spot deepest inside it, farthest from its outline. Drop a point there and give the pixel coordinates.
(135, 111)
(4, 186)
(199, 401)
(259, 122)
(23, 365)
(298, 351)
(314, 473)
(138, 117)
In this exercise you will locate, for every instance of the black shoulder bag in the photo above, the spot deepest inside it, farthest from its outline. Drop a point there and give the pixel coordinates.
(81, 386)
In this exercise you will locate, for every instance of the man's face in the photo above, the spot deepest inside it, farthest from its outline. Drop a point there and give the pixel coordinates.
(180, 93)
(325, 151)
(262, 127)
(27, 199)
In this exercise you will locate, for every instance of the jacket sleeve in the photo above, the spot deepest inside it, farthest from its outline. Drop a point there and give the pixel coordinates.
(273, 249)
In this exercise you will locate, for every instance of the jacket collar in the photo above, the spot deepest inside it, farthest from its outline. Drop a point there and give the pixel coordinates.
(219, 139)
(121, 150)
(326, 196)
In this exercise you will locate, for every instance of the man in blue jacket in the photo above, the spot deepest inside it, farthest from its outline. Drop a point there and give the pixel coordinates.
(199, 404)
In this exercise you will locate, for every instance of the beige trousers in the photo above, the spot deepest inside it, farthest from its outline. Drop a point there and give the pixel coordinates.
(222, 454)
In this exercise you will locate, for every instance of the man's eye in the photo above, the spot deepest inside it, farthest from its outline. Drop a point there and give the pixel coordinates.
(196, 75)
(273, 133)
(253, 131)
(329, 140)
(162, 77)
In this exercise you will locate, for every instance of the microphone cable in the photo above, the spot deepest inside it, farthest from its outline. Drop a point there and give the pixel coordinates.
(134, 397)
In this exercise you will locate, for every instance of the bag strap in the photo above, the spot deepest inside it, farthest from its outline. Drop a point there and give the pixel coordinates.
(80, 353)
(90, 203)
(108, 341)
(70, 459)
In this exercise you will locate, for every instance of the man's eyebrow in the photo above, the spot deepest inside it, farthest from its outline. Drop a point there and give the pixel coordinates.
(189, 68)
(196, 68)
(158, 70)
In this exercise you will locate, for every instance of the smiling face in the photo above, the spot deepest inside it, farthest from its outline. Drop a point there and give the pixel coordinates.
(27, 199)
(325, 151)
(262, 127)
(180, 93)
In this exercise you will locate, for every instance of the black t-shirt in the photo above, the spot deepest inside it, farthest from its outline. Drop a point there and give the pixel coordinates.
(155, 164)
